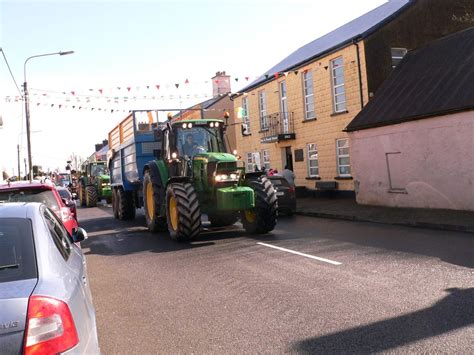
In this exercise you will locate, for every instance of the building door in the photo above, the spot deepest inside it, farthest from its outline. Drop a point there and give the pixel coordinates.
(287, 158)
(284, 107)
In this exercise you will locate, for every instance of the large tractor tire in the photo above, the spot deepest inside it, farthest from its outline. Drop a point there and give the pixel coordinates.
(261, 219)
(222, 220)
(115, 203)
(82, 195)
(152, 198)
(182, 212)
(91, 196)
(125, 204)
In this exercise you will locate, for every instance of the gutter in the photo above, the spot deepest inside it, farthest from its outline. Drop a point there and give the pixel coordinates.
(361, 94)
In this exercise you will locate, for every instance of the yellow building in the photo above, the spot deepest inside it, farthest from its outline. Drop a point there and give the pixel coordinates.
(296, 113)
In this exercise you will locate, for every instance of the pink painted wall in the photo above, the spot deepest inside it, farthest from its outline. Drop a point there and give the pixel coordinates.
(429, 163)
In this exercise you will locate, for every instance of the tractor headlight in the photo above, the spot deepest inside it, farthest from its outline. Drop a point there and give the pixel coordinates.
(226, 177)
(105, 184)
(174, 155)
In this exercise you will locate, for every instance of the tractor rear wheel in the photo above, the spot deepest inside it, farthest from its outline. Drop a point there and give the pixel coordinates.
(91, 196)
(82, 195)
(182, 211)
(152, 197)
(261, 219)
(222, 220)
(125, 204)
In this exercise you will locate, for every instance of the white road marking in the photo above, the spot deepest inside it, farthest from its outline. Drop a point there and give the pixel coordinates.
(301, 254)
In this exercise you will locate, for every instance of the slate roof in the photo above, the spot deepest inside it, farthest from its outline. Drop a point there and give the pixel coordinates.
(359, 28)
(434, 80)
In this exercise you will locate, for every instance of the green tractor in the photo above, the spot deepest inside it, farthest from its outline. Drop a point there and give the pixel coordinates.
(94, 183)
(194, 174)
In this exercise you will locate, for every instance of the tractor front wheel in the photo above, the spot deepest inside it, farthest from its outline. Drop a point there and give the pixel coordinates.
(261, 219)
(151, 201)
(91, 196)
(182, 212)
(125, 205)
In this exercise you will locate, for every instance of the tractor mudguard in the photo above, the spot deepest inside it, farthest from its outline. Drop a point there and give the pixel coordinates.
(181, 179)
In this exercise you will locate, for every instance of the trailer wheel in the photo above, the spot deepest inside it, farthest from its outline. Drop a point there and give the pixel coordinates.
(152, 192)
(114, 203)
(222, 220)
(182, 212)
(125, 204)
(261, 219)
(91, 196)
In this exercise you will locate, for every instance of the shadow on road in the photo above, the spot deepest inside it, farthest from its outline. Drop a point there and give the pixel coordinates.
(454, 311)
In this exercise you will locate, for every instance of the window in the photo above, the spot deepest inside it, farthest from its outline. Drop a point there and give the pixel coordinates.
(339, 91)
(313, 166)
(58, 233)
(250, 163)
(245, 115)
(308, 95)
(262, 106)
(343, 160)
(266, 158)
(397, 56)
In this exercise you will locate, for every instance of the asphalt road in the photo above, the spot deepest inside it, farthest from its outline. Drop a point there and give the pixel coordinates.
(374, 288)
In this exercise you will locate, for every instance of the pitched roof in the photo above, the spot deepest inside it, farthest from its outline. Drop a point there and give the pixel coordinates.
(434, 80)
(361, 27)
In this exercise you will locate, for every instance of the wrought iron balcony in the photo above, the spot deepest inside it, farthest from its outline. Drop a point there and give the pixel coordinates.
(277, 126)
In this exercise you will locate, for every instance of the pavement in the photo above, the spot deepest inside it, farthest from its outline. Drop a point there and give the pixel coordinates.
(347, 209)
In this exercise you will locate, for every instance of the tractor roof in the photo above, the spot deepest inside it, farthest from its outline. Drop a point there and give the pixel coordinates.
(196, 122)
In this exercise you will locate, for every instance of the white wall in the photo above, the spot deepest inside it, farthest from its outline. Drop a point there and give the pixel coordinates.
(430, 163)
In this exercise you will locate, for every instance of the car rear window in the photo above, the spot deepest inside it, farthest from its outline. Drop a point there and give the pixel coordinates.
(17, 252)
(44, 196)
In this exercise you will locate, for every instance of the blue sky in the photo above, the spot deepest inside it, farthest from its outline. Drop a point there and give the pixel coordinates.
(138, 43)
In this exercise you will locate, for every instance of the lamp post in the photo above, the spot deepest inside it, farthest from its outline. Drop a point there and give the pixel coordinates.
(19, 148)
(27, 107)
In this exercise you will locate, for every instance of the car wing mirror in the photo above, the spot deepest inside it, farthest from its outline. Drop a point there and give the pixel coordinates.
(79, 235)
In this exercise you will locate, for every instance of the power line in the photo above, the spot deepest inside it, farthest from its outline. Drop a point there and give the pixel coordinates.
(6, 61)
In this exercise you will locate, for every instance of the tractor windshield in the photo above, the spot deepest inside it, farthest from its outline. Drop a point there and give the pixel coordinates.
(98, 169)
(199, 139)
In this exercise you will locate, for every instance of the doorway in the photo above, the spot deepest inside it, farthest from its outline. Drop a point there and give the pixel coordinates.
(287, 158)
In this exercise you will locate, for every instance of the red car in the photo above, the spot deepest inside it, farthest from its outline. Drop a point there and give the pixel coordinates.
(38, 191)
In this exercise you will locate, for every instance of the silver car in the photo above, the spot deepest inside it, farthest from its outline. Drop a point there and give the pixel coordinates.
(45, 299)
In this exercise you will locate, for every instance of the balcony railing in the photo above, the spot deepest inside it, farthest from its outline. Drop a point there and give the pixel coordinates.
(277, 126)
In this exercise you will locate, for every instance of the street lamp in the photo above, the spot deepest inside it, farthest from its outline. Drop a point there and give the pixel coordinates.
(27, 107)
(18, 149)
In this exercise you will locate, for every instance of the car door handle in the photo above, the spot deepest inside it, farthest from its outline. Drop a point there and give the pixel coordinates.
(84, 280)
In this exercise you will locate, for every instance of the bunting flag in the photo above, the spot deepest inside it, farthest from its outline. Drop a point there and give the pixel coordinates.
(187, 81)
(177, 86)
(100, 90)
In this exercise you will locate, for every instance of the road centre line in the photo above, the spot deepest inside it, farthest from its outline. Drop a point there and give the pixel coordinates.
(301, 254)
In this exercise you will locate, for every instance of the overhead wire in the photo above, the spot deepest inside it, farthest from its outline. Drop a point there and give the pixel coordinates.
(8, 66)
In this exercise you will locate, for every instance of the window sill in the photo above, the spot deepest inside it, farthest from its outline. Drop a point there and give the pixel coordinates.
(312, 178)
(246, 135)
(397, 191)
(264, 130)
(309, 120)
(343, 178)
(338, 113)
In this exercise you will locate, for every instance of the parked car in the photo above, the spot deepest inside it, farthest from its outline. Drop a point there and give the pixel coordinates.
(39, 191)
(68, 200)
(45, 299)
(285, 193)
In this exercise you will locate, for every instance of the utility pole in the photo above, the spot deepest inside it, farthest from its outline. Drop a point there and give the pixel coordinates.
(18, 149)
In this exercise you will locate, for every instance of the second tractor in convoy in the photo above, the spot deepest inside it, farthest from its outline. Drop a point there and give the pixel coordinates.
(180, 169)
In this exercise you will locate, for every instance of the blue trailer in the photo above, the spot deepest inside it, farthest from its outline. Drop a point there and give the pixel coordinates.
(132, 144)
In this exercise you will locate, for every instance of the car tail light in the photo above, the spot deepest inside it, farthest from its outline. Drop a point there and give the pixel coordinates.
(291, 189)
(50, 327)
(66, 214)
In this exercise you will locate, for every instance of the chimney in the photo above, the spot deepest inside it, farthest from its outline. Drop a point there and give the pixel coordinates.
(220, 84)
(105, 142)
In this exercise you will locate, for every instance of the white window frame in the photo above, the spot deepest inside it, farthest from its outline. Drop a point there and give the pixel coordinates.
(335, 87)
(262, 107)
(308, 82)
(312, 147)
(395, 57)
(249, 162)
(266, 158)
(245, 113)
(339, 156)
